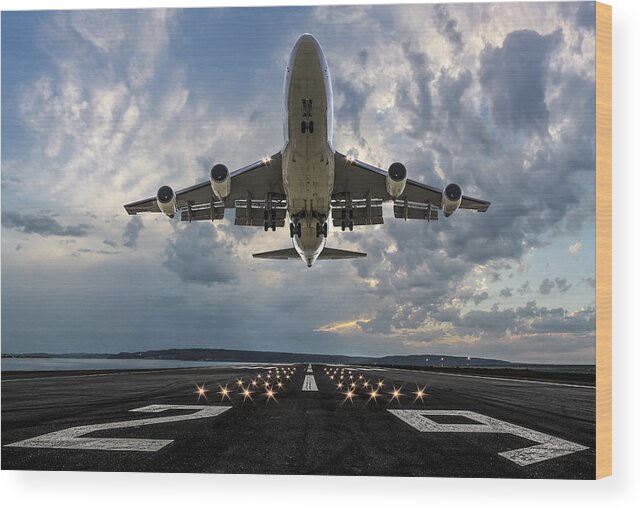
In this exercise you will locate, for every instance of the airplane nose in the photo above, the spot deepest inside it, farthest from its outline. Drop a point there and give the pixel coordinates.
(306, 43)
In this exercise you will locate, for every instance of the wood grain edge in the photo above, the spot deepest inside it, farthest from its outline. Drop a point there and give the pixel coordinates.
(603, 240)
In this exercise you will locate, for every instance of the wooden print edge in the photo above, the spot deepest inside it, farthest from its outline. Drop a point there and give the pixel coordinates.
(603, 240)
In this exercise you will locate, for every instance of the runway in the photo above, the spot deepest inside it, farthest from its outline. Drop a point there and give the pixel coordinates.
(298, 419)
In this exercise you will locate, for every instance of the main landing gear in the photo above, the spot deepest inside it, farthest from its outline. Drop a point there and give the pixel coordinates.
(269, 220)
(295, 230)
(322, 230)
(347, 219)
(347, 224)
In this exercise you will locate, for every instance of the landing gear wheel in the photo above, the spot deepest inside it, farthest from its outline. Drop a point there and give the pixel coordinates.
(303, 127)
(318, 230)
(311, 127)
(299, 230)
(343, 226)
(350, 226)
(292, 230)
(325, 230)
(265, 226)
(274, 227)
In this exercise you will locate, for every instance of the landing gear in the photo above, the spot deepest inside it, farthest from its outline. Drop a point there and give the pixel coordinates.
(295, 230)
(269, 220)
(347, 224)
(307, 127)
(347, 219)
(322, 230)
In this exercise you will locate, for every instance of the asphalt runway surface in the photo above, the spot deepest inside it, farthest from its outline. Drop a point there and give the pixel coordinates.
(298, 420)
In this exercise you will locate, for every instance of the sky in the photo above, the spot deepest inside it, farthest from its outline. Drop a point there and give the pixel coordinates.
(101, 107)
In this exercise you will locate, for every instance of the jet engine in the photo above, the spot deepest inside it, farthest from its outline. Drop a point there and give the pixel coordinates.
(166, 200)
(451, 199)
(396, 179)
(220, 181)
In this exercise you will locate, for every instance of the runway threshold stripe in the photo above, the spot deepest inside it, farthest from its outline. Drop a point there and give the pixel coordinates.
(310, 384)
(309, 369)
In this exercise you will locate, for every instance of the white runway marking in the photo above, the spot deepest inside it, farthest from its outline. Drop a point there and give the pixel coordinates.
(548, 446)
(309, 383)
(309, 369)
(71, 438)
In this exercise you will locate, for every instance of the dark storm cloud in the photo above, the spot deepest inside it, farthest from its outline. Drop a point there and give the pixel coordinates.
(447, 26)
(110, 243)
(199, 254)
(44, 225)
(131, 232)
(514, 77)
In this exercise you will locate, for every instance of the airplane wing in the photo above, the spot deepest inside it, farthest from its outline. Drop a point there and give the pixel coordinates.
(249, 188)
(367, 184)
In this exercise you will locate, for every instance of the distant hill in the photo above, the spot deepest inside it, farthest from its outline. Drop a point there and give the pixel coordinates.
(224, 355)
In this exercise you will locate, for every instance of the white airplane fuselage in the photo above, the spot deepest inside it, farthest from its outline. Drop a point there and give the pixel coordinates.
(308, 157)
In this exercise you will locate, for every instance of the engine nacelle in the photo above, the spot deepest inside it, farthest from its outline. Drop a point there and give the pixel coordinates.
(166, 200)
(451, 199)
(396, 180)
(220, 180)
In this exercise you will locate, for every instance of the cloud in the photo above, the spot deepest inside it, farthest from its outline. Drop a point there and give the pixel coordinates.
(514, 79)
(562, 285)
(131, 232)
(446, 26)
(200, 254)
(44, 225)
(590, 281)
(575, 247)
(506, 292)
(479, 298)
(343, 326)
(546, 286)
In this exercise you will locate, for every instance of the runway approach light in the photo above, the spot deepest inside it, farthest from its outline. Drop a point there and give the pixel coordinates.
(374, 395)
(380, 384)
(246, 395)
(419, 394)
(224, 392)
(201, 391)
(349, 396)
(396, 394)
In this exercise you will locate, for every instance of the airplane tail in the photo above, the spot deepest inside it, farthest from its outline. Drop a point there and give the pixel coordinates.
(327, 253)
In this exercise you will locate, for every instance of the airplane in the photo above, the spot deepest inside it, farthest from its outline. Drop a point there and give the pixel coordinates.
(308, 181)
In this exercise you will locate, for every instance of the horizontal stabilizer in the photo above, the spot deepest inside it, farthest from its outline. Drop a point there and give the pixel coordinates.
(327, 253)
(286, 253)
(335, 253)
